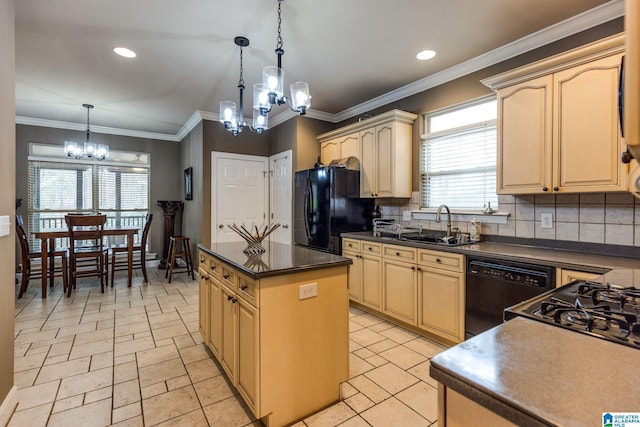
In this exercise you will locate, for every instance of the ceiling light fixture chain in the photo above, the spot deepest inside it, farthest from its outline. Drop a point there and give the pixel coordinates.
(89, 149)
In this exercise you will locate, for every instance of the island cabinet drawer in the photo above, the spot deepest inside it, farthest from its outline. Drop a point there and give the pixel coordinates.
(437, 259)
(228, 276)
(210, 264)
(351, 245)
(371, 248)
(402, 253)
(248, 290)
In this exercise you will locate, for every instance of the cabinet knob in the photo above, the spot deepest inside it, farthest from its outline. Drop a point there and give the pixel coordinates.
(232, 299)
(397, 253)
(243, 287)
(213, 267)
(226, 276)
(545, 189)
(220, 226)
(555, 188)
(285, 226)
(205, 278)
(413, 268)
(373, 195)
(370, 248)
(438, 260)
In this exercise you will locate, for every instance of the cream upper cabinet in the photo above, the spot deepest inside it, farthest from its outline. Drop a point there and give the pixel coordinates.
(340, 147)
(329, 150)
(383, 144)
(558, 127)
(524, 136)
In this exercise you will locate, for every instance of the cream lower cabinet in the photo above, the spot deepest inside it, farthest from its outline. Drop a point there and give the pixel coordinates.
(418, 287)
(441, 294)
(558, 127)
(399, 283)
(456, 410)
(564, 276)
(365, 274)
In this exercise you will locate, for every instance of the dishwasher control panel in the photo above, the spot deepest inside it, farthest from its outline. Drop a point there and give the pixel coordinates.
(508, 273)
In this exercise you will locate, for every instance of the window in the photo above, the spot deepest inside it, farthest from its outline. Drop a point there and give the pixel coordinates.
(58, 185)
(458, 157)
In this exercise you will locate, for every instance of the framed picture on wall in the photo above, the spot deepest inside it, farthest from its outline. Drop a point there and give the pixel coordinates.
(188, 184)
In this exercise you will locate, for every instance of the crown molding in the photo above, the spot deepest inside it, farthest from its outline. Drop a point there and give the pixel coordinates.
(589, 19)
(56, 124)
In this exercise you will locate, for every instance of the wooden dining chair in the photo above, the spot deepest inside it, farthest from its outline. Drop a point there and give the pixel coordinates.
(34, 270)
(120, 259)
(87, 254)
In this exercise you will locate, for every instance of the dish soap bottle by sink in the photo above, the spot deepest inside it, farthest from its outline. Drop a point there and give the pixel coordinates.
(474, 230)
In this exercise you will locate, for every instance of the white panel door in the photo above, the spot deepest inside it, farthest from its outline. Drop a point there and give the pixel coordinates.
(280, 190)
(239, 194)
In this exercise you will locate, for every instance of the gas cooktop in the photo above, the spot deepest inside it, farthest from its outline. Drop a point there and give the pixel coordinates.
(604, 310)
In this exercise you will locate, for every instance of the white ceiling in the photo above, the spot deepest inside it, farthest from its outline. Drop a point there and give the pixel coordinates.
(353, 53)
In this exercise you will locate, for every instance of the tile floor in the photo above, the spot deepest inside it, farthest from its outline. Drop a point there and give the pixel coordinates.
(134, 357)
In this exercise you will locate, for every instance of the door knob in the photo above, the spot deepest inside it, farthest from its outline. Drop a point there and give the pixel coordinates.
(220, 226)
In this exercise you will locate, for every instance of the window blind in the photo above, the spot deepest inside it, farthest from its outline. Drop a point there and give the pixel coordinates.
(459, 168)
(59, 186)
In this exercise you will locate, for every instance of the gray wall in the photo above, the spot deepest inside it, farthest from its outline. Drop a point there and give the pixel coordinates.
(166, 171)
(7, 193)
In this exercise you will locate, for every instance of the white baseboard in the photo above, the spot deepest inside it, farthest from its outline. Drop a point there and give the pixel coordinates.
(8, 406)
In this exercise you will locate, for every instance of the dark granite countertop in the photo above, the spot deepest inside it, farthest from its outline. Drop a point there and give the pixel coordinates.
(534, 254)
(278, 259)
(535, 374)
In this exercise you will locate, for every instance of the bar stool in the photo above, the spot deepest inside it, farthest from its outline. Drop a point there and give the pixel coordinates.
(183, 253)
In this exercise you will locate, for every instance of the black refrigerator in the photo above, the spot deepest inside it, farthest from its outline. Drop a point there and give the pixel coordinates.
(327, 203)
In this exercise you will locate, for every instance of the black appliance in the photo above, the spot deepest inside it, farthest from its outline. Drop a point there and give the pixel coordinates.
(603, 310)
(493, 285)
(327, 202)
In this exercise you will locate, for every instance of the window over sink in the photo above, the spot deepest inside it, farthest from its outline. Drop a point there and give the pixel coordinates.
(458, 156)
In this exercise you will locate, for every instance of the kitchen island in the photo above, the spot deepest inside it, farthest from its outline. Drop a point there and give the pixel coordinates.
(528, 373)
(278, 324)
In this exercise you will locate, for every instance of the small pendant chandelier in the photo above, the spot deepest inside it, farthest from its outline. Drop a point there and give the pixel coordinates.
(89, 149)
(265, 94)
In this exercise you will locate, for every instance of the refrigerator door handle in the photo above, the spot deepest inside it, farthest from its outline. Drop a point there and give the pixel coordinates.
(307, 211)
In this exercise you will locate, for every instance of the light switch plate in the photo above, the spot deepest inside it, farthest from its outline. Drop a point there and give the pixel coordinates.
(547, 220)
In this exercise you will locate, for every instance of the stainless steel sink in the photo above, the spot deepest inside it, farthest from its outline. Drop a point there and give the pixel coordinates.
(430, 239)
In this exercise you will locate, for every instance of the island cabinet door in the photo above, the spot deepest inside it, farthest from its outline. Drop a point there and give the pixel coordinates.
(229, 350)
(400, 291)
(203, 282)
(248, 354)
(215, 317)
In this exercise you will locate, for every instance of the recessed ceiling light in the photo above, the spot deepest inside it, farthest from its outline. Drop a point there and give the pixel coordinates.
(123, 51)
(426, 54)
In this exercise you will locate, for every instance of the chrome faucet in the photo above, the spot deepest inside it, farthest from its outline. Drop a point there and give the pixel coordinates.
(448, 218)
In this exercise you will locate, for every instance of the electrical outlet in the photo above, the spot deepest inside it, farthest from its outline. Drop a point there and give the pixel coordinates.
(547, 220)
(406, 215)
(308, 291)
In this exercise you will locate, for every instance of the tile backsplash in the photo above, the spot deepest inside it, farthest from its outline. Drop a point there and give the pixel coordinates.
(606, 218)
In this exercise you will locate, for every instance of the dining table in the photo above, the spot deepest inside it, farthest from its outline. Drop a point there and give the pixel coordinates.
(47, 242)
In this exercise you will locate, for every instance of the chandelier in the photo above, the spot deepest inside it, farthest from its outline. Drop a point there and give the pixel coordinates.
(266, 94)
(89, 149)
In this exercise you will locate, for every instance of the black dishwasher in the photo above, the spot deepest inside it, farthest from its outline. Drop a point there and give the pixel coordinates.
(493, 285)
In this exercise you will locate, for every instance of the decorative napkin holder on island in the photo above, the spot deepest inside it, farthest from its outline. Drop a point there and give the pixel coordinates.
(254, 240)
